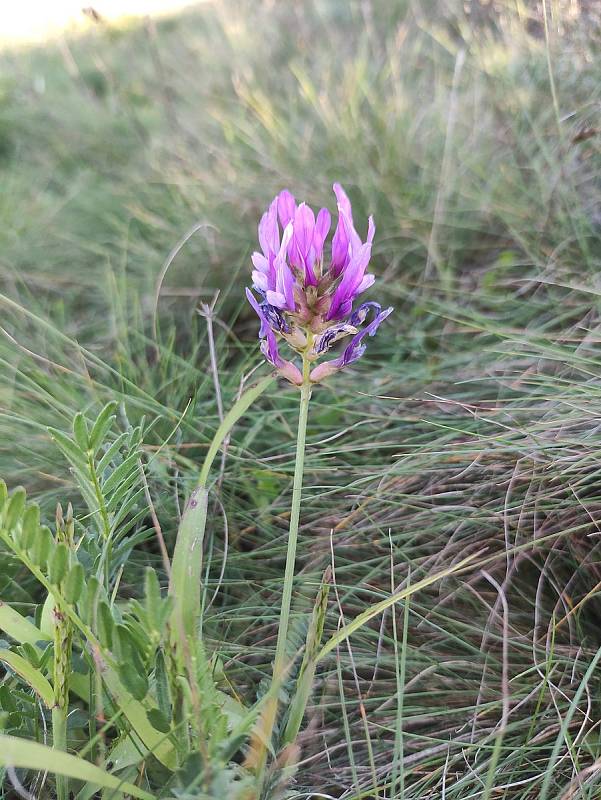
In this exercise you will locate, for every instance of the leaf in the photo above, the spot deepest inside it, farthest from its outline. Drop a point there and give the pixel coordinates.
(73, 585)
(17, 627)
(378, 608)
(29, 526)
(21, 753)
(80, 431)
(186, 568)
(15, 508)
(153, 599)
(70, 450)
(103, 423)
(42, 547)
(111, 452)
(154, 741)
(87, 602)
(124, 753)
(122, 472)
(133, 678)
(58, 563)
(30, 675)
(158, 720)
(161, 681)
(105, 624)
(122, 491)
(126, 508)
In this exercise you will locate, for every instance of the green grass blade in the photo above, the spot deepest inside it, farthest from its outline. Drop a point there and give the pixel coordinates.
(565, 725)
(21, 753)
(378, 608)
(32, 676)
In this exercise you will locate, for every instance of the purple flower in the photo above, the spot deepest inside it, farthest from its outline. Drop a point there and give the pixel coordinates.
(307, 300)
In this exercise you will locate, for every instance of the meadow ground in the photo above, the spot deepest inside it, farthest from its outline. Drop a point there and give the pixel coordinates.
(472, 133)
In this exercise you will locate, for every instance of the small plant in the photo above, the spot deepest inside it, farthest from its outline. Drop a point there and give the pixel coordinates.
(164, 720)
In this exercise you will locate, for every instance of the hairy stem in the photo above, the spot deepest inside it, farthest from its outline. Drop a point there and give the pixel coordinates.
(63, 633)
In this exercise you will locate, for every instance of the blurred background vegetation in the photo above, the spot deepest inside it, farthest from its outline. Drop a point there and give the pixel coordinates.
(471, 131)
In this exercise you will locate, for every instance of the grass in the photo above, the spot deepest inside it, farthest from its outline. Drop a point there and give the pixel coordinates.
(470, 427)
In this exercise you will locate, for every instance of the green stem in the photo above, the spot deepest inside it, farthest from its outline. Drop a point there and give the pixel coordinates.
(259, 759)
(59, 742)
(297, 487)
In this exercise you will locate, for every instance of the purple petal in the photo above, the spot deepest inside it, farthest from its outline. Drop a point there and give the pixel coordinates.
(359, 316)
(260, 280)
(269, 233)
(284, 279)
(263, 266)
(286, 238)
(353, 236)
(269, 348)
(340, 249)
(356, 348)
(260, 262)
(276, 299)
(353, 274)
(310, 279)
(331, 335)
(367, 281)
(274, 317)
(322, 228)
(342, 200)
(285, 285)
(286, 207)
(264, 324)
(304, 227)
(346, 290)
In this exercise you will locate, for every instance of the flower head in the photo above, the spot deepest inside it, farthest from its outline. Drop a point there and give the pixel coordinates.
(304, 299)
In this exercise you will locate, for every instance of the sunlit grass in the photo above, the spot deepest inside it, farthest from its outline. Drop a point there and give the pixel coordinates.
(32, 21)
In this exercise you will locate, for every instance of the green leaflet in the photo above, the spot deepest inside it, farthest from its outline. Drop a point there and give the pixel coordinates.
(18, 627)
